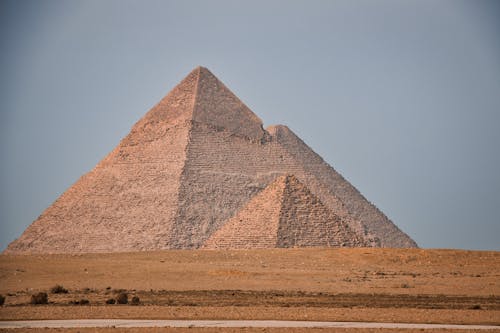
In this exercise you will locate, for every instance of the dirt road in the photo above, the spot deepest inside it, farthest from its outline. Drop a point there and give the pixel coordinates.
(125, 323)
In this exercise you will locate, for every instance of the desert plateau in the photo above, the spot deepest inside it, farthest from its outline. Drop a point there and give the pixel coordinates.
(348, 284)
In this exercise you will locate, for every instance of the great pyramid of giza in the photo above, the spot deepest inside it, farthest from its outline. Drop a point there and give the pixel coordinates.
(188, 167)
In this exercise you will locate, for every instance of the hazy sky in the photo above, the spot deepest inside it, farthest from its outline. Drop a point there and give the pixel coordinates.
(401, 97)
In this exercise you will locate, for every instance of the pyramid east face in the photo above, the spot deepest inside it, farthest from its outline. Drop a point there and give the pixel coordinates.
(192, 163)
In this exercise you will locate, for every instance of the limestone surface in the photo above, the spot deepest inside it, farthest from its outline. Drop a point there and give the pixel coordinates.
(189, 166)
(285, 214)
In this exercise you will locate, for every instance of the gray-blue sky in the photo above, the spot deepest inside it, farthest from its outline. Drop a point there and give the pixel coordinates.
(401, 97)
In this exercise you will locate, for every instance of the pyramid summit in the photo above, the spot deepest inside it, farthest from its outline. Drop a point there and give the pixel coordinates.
(196, 171)
(202, 98)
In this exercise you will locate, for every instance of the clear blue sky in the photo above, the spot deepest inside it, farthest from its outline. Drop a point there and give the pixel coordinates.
(401, 97)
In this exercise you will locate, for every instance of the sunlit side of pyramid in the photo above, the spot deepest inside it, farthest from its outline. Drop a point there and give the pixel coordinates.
(187, 167)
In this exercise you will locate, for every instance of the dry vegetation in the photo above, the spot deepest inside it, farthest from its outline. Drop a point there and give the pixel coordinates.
(389, 285)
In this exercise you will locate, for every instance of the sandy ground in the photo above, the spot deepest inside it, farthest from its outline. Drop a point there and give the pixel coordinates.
(236, 330)
(386, 285)
(486, 317)
(393, 271)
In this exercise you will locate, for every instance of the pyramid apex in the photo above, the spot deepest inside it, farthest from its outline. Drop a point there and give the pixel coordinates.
(199, 67)
(203, 69)
(215, 105)
(201, 72)
(201, 97)
(204, 74)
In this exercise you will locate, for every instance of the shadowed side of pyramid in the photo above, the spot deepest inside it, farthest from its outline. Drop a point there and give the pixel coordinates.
(361, 215)
(285, 214)
(306, 222)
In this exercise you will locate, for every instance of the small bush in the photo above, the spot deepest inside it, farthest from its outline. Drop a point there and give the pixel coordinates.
(110, 301)
(2, 300)
(83, 301)
(58, 289)
(135, 300)
(40, 298)
(122, 298)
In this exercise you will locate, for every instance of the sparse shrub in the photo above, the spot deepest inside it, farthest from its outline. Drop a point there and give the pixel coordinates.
(58, 289)
(476, 307)
(40, 298)
(84, 301)
(405, 285)
(122, 298)
(2, 300)
(135, 300)
(110, 301)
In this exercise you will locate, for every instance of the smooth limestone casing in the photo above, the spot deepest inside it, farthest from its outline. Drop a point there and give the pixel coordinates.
(190, 164)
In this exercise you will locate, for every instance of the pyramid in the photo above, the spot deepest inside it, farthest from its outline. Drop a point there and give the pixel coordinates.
(188, 166)
(285, 214)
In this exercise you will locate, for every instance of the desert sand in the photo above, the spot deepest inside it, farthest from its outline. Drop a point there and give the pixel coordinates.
(358, 284)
